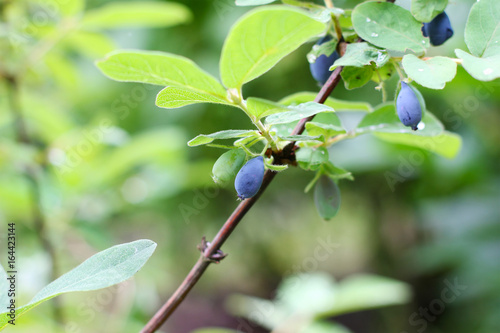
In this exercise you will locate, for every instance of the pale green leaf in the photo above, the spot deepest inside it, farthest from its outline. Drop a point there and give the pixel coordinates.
(300, 137)
(482, 31)
(311, 158)
(356, 77)
(298, 112)
(483, 69)
(253, 2)
(163, 69)
(432, 73)
(362, 292)
(390, 26)
(260, 39)
(426, 10)
(325, 130)
(175, 97)
(361, 54)
(102, 270)
(337, 104)
(259, 108)
(66, 7)
(91, 44)
(445, 144)
(203, 139)
(385, 120)
(136, 14)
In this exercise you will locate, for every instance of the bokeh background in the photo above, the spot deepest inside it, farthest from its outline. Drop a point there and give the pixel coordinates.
(112, 168)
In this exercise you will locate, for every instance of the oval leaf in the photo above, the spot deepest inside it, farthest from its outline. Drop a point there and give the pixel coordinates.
(327, 197)
(387, 25)
(203, 139)
(298, 112)
(426, 10)
(361, 54)
(260, 39)
(136, 14)
(482, 31)
(483, 69)
(102, 270)
(432, 73)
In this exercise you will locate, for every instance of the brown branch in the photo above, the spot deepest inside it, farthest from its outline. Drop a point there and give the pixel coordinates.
(204, 261)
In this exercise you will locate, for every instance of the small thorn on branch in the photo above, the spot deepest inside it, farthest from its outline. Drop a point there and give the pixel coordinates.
(214, 258)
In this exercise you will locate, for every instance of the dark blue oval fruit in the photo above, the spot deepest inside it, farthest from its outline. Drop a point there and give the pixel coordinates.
(408, 107)
(249, 178)
(438, 30)
(320, 69)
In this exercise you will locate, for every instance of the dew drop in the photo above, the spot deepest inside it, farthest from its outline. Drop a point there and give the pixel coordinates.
(374, 34)
(421, 125)
(368, 19)
(420, 69)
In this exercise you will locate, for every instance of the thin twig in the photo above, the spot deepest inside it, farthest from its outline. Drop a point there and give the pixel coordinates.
(39, 222)
(204, 261)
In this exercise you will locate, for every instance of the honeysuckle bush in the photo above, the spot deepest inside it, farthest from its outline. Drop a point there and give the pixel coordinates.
(378, 48)
(383, 39)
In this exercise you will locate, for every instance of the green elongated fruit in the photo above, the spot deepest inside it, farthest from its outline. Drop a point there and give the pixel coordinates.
(327, 197)
(227, 165)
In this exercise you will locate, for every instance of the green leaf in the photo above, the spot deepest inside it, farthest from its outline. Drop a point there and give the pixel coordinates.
(311, 158)
(227, 165)
(306, 294)
(176, 97)
(165, 69)
(432, 73)
(482, 31)
(385, 72)
(337, 104)
(102, 270)
(260, 39)
(445, 144)
(259, 108)
(325, 130)
(385, 120)
(298, 112)
(136, 14)
(362, 292)
(361, 54)
(301, 137)
(253, 2)
(91, 44)
(426, 10)
(66, 8)
(327, 197)
(335, 172)
(203, 139)
(390, 26)
(355, 77)
(483, 69)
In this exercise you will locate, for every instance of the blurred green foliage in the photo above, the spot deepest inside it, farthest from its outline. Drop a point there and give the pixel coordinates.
(113, 168)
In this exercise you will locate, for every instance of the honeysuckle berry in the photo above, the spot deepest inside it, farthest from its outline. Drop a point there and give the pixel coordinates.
(320, 69)
(438, 30)
(408, 107)
(249, 178)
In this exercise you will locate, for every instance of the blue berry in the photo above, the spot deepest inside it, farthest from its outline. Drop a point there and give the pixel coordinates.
(438, 30)
(249, 178)
(320, 69)
(408, 107)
